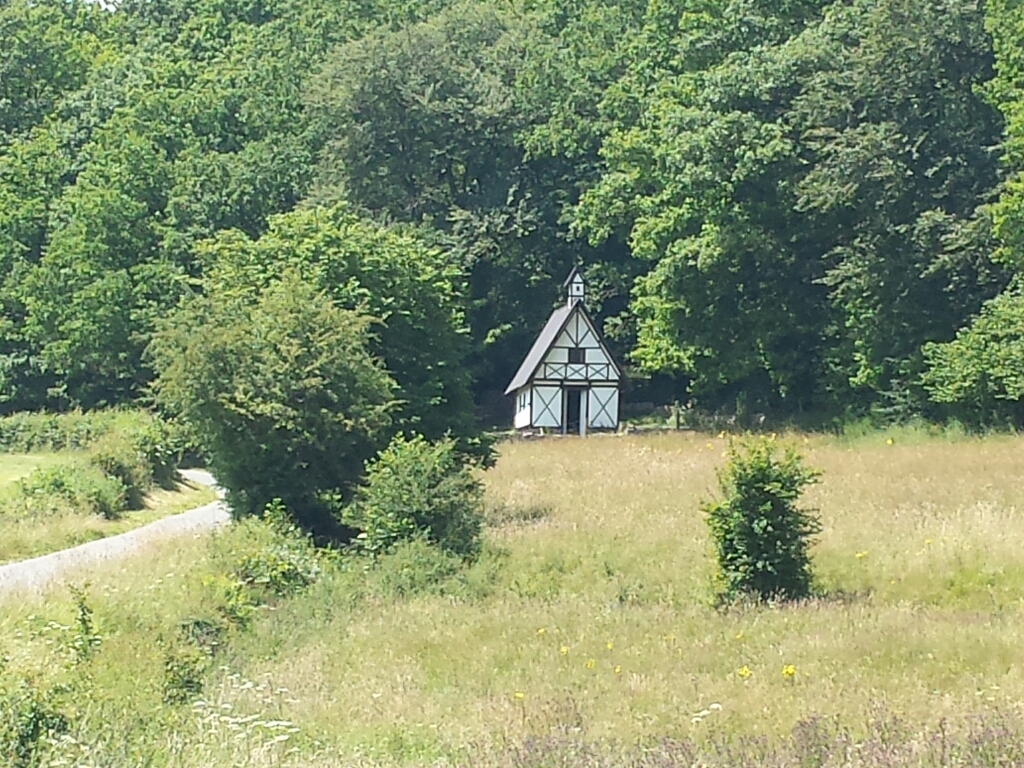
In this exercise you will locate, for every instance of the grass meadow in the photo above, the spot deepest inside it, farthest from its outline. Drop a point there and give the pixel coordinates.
(13, 467)
(28, 536)
(590, 620)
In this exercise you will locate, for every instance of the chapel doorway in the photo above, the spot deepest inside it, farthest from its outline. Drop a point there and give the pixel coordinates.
(573, 410)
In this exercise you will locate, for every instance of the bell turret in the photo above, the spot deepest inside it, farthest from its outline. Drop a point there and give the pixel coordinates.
(576, 288)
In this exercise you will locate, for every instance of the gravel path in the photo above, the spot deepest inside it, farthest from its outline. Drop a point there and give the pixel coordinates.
(37, 573)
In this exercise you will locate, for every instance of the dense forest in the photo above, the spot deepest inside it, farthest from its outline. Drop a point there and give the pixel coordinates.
(782, 206)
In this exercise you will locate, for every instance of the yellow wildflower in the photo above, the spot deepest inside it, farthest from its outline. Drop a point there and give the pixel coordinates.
(862, 554)
(890, 441)
(609, 645)
(618, 670)
(519, 695)
(788, 671)
(564, 650)
(744, 672)
(541, 631)
(591, 664)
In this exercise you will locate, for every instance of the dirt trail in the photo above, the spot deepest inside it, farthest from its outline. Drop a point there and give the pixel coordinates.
(35, 574)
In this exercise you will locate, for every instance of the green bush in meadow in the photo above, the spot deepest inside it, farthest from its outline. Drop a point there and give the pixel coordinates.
(761, 537)
(415, 488)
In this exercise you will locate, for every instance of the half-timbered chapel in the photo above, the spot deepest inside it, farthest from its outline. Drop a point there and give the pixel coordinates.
(568, 382)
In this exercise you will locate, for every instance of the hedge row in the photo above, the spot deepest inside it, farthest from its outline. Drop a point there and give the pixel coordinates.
(110, 460)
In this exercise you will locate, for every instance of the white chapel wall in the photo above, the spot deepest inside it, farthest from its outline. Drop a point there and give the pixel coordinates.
(524, 399)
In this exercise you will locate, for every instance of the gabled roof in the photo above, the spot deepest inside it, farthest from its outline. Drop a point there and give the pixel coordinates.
(547, 337)
(552, 329)
(575, 271)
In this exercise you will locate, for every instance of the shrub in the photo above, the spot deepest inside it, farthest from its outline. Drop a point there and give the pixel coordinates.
(159, 444)
(116, 456)
(132, 445)
(281, 390)
(418, 488)
(184, 673)
(205, 635)
(277, 558)
(32, 432)
(281, 569)
(84, 487)
(761, 536)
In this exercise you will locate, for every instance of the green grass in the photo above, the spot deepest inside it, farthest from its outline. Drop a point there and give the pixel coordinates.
(25, 537)
(13, 467)
(590, 615)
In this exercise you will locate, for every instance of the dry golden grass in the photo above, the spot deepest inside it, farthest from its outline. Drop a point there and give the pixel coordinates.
(598, 617)
(928, 620)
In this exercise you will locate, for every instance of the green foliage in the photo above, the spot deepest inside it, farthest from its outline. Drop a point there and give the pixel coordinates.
(982, 370)
(805, 183)
(979, 375)
(282, 392)
(158, 444)
(260, 559)
(430, 124)
(1006, 24)
(206, 635)
(116, 456)
(412, 567)
(110, 460)
(783, 203)
(86, 639)
(184, 676)
(418, 488)
(36, 712)
(166, 126)
(430, 104)
(26, 432)
(74, 483)
(411, 289)
(761, 536)
(283, 566)
(30, 717)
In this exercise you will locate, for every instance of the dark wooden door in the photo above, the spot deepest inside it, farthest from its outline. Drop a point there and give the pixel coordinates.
(573, 409)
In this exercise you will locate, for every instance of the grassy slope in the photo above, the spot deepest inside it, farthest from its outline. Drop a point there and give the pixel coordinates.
(16, 466)
(21, 538)
(599, 615)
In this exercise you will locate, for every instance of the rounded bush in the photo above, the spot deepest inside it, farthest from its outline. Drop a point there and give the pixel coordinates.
(761, 537)
(116, 456)
(418, 488)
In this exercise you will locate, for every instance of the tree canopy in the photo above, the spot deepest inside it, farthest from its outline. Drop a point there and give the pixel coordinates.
(786, 207)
